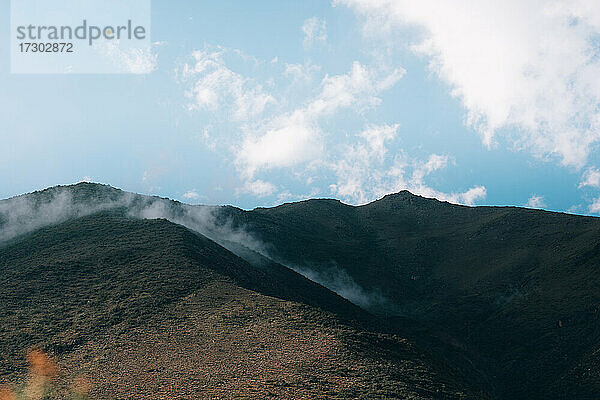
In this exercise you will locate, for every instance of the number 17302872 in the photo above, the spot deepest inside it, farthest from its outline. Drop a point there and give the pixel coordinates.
(35, 47)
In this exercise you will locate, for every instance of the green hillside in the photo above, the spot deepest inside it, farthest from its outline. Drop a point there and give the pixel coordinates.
(510, 297)
(149, 309)
(516, 290)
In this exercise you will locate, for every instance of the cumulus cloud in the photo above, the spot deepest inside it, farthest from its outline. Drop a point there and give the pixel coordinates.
(259, 188)
(296, 134)
(363, 174)
(536, 202)
(591, 177)
(282, 142)
(190, 195)
(301, 72)
(594, 208)
(415, 181)
(360, 87)
(376, 136)
(531, 66)
(296, 137)
(470, 197)
(359, 168)
(215, 85)
(315, 31)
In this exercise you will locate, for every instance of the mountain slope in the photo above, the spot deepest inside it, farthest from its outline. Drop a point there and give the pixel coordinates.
(508, 296)
(149, 309)
(517, 290)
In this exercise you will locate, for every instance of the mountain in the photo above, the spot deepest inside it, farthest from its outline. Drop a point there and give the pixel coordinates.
(516, 291)
(147, 308)
(497, 300)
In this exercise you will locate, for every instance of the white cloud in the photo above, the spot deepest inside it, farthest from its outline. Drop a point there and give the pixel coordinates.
(363, 175)
(433, 163)
(296, 137)
(536, 202)
(528, 65)
(191, 195)
(360, 168)
(591, 177)
(132, 60)
(376, 136)
(215, 85)
(471, 196)
(315, 31)
(359, 88)
(284, 142)
(416, 184)
(259, 188)
(301, 72)
(594, 208)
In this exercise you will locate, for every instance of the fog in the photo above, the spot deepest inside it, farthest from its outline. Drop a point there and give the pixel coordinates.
(24, 214)
(337, 280)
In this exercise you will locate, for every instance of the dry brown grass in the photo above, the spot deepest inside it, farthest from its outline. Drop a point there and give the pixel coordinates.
(42, 365)
(43, 381)
(81, 386)
(6, 393)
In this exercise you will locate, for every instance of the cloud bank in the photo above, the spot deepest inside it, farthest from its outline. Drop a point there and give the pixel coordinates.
(296, 137)
(283, 131)
(531, 66)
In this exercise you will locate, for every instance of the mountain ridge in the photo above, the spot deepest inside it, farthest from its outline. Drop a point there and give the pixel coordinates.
(133, 304)
(507, 295)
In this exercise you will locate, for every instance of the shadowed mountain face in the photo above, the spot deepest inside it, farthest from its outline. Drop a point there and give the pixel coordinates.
(508, 296)
(150, 309)
(517, 290)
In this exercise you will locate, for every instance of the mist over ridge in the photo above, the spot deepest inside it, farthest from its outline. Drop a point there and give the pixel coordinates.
(26, 213)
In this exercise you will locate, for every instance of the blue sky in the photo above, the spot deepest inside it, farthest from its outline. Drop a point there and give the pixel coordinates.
(258, 103)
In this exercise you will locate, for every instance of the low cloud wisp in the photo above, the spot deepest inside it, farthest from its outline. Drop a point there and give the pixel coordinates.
(24, 214)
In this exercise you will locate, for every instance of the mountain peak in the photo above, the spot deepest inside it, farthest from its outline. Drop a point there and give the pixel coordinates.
(404, 196)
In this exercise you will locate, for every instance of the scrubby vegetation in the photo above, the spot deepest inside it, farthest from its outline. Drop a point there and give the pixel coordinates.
(500, 300)
(147, 309)
(509, 294)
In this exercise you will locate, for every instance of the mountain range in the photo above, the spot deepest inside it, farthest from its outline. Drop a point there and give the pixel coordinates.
(404, 297)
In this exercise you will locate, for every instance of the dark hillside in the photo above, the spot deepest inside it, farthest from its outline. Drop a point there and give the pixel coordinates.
(149, 309)
(509, 296)
(80, 270)
(518, 288)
